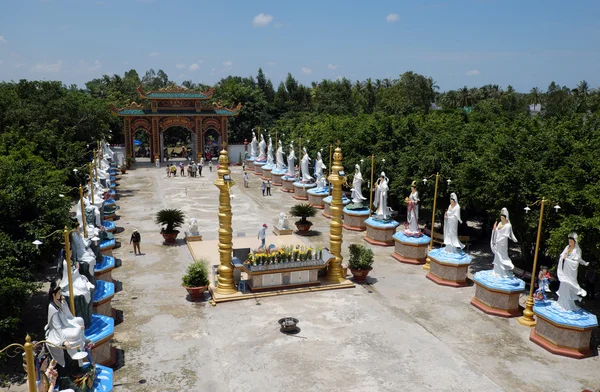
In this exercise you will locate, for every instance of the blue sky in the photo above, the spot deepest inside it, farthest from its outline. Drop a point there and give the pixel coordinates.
(468, 42)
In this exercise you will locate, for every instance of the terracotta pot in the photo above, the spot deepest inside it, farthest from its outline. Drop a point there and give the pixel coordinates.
(196, 292)
(360, 275)
(170, 238)
(303, 228)
(123, 171)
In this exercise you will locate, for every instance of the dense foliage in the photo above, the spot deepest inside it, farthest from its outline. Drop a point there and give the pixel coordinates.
(498, 150)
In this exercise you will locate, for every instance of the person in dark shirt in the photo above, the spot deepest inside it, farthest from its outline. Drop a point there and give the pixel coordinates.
(136, 238)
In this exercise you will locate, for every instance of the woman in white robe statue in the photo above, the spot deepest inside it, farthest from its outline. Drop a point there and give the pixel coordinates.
(83, 291)
(569, 290)
(304, 167)
(412, 209)
(502, 232)
(262, 148)
(279, 163)
(253, 146)
(451, 221)
(357, 196)
(291, 159)
(270, 153)
(381, 196)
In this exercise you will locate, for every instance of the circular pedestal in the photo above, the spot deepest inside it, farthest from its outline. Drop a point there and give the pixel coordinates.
(410, 250)
(258, 168)
(103, 295)
(250, 164)
(379, 232)
(355, 219)
(301, 190)
(103, 270)
(497, 296)
(316, 196)
(287, 184)
(563, 332)
(100, 333)
(448, 269)
(327, 205)
(266, 172)
(276, 177)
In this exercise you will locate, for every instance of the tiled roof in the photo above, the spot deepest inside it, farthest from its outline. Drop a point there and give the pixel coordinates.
(148, 112)
(176, 95)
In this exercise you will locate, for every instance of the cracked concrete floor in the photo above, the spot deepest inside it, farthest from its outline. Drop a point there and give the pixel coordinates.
(401, 332)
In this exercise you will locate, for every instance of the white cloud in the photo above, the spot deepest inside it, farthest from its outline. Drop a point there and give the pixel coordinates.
(96, 66)
(261, 20)
(2, 39)
(180, 66)
(200, 61)
(194, 67)
(473, 72)
(331, 66)
(392, 18)
(181, 76)
(153, 54)
(125, 62)
(227, 63)
(306, 70)
(271, 63)
(20, 65)
(48, 68)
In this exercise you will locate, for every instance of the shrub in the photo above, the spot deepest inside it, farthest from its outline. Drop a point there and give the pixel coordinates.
(171, 218)
(196, 275)
(361, 258)
(303, 211)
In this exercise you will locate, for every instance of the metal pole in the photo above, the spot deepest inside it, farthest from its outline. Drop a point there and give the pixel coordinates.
(82, 211)
(371, 186)
(428, 260)
(69, 274)
(30, 362)
(91, 183)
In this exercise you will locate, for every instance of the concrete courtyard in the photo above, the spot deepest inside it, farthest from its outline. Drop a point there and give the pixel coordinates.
(400, 332)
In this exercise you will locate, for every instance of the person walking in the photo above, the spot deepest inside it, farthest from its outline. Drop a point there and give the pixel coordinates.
(173, 170)
(200, 169)
(168, 171)
(268, 187)
(263, 188)
(181, 169)
(210, 165)
(136, 238)
(262, 235)
(246, 180)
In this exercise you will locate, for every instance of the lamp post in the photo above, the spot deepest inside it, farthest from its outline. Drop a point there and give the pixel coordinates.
(336, 178)
(92, 183)
(527, 319)
(225, 284)
(371, 184)
(82, 211)
(29, 361)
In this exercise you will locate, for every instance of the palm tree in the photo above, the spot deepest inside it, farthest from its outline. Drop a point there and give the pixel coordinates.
(583, 89)
(535, 95)
(465, 96)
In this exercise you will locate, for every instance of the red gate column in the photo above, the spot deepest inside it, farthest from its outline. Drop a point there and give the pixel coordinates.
(199, 139)
(127, 134)
(155, 139)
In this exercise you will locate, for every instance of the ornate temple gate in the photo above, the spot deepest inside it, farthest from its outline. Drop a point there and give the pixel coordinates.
(175, 106)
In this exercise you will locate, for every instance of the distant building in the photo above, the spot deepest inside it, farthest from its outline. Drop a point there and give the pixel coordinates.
(434, 106)
(535, 109)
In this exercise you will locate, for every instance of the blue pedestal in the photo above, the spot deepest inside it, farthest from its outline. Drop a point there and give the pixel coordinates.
(459, 258)
(109, 226)
(494, 282)
(567, 318)
(107, 244)
(113, 192)
(361, 212)
(107, 264)
(422, 240)
(109, 202)
(278, 171)
(102, 327)
(103, 290)
(448, 268)
(345, 200)
(497, 296)
(318, 192)
(104, 379)
(380, 232)
(410, 250)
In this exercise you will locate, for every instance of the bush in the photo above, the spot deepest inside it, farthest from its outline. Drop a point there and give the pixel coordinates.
(196, 275)
(171, 218)
(361, 258)
(303, 211)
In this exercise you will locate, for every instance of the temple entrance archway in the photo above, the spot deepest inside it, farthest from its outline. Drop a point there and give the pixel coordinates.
(212, 142)
(178, 141)
(142, 145)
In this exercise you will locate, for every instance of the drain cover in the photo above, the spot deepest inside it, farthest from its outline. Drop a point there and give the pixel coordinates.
(289, 325)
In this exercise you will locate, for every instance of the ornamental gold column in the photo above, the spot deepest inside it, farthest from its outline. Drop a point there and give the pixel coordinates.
(225, 284)
(334, 270)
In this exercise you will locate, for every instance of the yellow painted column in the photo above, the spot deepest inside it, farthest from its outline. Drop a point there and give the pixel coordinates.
(225, 284)
(334, 270)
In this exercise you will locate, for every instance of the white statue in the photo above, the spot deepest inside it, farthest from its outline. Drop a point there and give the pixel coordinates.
(319, 166)
(280, 165)
(451, 221)
(503, 266)
(81, 287)
(412, 209)
(569, 290)
(262, 146)
(63, 328)
(253, 146)
(304, 164)
(283, 221)
(357, 196)
(193, 227)
(81, 251)
(270, 153)
(291, 172)
(322, 183)
(381, 195)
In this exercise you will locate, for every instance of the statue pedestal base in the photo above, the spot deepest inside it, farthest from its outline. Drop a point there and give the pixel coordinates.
(288, 184)
(410, 250)
(103, 271)
(109, 226)
(276, 178)
(103, 295)
(258, 168)
(250, 164)
(189, 237)
(327, 205)
(278, 231)
(354, 220)
(267, 172)
(316, 196)
(301, 190)
(497, 296)
(104, 379)
(379, 232)
(448, 269)
(100, 333)
(107, 245)
(563, 332)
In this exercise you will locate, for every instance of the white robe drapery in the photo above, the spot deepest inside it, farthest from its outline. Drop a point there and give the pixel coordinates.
(412, 212)
(569, 290)
(503, 265)
(451, 221)
(64, 327)
(262, 148)
(357, 196)
(279, 160)
(291, 159)
(253, 146)
(381, 195)
(304, 168)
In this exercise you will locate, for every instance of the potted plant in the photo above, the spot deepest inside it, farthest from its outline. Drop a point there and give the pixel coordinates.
(170, 219)
(303, 211)
(129, 161)
(361, 261)
(195, 279)
(123, 168)
(240, 159)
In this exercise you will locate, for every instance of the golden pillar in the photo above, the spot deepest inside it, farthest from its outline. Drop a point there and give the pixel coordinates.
(334, 271)
(69, 273)
(92, 183)
(82, 211)
(226, 284)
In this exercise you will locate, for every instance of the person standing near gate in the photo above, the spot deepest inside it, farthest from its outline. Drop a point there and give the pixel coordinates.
(262, 235)
(268, 187)
(246, 180)
(136, 238)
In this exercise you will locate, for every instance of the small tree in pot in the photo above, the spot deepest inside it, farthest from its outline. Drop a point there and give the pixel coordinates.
(361, 261)
(303, 211)
(171, 219)
(196, 280)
